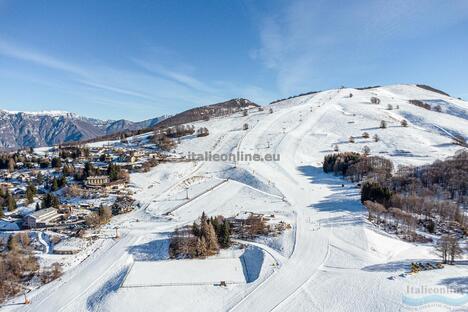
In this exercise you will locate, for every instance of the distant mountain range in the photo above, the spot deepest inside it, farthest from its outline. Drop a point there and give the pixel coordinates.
(34, 129)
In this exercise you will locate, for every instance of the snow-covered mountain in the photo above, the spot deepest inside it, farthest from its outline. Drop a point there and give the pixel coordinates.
(33, 129)
(330, 259)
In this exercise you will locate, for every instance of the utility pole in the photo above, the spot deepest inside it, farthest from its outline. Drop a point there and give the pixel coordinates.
(186, 192)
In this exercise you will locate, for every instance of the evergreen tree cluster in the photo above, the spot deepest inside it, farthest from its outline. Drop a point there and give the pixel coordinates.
(7, 201)
(50, 200)
(339, 163)
(201, 239)
(57, 183)
(375, 192)
(357, 166)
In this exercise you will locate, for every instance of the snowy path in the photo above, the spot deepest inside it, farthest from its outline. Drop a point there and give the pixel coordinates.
(310, 250)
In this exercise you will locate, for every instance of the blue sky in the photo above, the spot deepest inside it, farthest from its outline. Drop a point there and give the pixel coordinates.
(141, 59)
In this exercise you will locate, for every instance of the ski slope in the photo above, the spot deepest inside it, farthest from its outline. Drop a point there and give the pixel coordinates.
(331, 260)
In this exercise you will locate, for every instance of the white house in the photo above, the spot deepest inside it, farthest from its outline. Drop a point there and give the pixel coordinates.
(41, 218)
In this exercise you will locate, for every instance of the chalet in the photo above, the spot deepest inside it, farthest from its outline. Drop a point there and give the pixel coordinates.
(122, 205)
(94, 181)
(41, 218)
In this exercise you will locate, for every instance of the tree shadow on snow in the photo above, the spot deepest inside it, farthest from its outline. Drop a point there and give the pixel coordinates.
(345, 195)
(151, 251)
(317, 176)
(111, 286)
(342, 220)
(252, 261)
(389, 266)
(456, 282)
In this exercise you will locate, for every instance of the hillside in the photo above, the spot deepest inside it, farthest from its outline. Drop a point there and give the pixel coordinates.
(191, 115)
(207, 112)
(331, 255)
(24, 129)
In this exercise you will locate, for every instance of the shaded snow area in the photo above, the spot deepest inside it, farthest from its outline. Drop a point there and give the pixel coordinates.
(330, 258)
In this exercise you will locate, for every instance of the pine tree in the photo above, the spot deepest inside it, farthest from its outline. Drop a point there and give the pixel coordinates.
(196, 229)
(216, 225)
(211, 240)
(225, 240)
(56, 162)
(30, 193)
(50, 201)
(62, 181)
(114, 172)
(55, 186)
(203, 225)
(201, 248)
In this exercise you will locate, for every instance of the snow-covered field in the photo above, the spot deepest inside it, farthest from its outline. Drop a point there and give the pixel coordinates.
(185, 272)
(331, 259)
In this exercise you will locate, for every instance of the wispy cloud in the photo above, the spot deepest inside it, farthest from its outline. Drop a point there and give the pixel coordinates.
(177, 76)
(10, 50)
(305, 37)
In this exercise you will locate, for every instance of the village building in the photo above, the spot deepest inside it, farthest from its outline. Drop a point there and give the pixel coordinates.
(41, 218)
(94, 181)
(122, 205)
